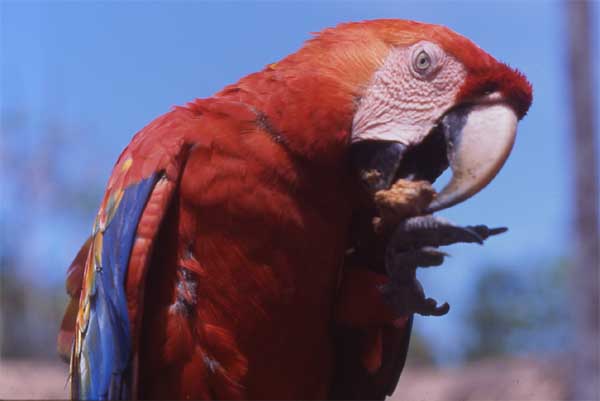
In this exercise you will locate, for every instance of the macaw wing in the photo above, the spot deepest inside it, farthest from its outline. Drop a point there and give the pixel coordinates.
(102, 326)
(116, 256)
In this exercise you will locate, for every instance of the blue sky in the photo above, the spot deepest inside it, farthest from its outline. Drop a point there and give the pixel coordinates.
(109, 68)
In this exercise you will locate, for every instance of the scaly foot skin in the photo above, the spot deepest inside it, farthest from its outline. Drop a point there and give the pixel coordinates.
(414, 244)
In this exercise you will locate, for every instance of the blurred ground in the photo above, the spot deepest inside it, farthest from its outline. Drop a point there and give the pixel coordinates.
(33, 379)
(508, 379)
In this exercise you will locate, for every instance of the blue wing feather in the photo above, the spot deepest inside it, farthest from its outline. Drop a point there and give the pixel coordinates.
(104, 370)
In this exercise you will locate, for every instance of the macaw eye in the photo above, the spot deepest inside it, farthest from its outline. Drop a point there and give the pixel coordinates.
(422, 61)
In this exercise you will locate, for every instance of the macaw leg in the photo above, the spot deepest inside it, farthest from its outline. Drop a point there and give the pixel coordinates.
(414, 244)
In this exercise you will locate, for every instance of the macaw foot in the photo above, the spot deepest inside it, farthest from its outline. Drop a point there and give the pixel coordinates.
(414, 244)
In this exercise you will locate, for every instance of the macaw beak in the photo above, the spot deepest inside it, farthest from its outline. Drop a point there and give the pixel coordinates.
(478, 138)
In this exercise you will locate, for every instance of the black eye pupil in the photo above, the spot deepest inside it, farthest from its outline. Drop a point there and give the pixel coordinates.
(422, 61)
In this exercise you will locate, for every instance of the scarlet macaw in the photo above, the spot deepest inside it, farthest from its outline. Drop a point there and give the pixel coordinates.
(234, 254)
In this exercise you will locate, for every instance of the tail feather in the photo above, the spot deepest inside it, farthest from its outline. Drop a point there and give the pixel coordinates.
(74, 283)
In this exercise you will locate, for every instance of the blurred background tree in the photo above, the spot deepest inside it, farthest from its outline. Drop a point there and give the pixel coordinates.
(519, 310)
(585, 288)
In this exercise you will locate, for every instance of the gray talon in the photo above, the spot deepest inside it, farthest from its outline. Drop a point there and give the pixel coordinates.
(485, 232)
(440, 310)
(409, 298)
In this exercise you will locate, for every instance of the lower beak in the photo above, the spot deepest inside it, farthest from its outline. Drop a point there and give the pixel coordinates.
(478, 138)
(377, 162)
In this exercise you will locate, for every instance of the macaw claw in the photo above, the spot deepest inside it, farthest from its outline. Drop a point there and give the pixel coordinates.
(414, 244)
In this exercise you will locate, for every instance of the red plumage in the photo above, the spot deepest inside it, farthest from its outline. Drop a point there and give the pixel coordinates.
(240, 225)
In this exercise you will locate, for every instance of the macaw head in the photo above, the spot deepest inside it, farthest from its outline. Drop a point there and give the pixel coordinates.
(437, 100)
(422, 98)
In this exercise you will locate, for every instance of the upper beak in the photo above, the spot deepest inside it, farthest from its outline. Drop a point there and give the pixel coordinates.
(479, 139)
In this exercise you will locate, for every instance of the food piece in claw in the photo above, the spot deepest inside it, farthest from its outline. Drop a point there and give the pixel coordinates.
(414, 244)
(405, 198)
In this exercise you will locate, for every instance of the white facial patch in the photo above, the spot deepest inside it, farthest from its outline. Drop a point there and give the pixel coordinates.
(401, 104)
